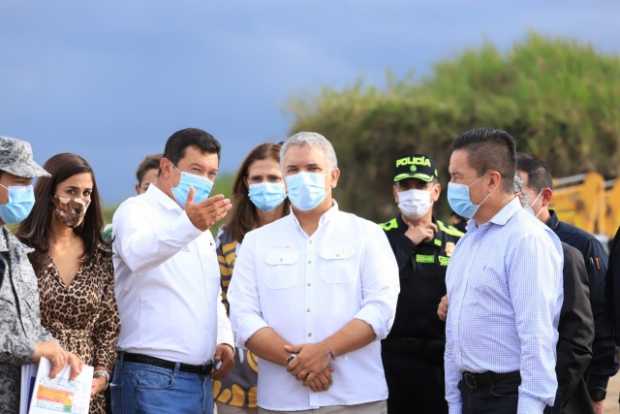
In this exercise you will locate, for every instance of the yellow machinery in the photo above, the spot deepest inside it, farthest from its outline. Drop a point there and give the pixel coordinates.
(588, 202)
(611, 217)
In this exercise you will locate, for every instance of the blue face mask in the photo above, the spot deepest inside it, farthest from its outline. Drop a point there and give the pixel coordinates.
(460, 200)
(267, 196)
(306, 190)
(202, 188)
(19, 206)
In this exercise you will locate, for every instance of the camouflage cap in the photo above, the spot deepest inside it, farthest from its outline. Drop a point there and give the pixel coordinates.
(418, 166)
(16, 158)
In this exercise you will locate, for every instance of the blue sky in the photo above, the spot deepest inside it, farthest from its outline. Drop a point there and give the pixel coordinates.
(111, 80)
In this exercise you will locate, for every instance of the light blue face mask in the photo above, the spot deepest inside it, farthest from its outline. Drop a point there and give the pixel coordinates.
(267, 196)
(19, 206)
(460, 200)
(306, 190)
(202, 188)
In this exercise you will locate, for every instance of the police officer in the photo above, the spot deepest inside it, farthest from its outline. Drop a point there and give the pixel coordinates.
(22, 338)
(413, 351)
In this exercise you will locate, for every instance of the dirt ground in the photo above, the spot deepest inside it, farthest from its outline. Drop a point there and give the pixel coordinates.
(611, 404)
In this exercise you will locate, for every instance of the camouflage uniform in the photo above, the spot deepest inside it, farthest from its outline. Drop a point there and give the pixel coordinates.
(20, 325)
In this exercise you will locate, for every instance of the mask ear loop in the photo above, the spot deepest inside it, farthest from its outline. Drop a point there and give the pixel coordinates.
(483, 200)
(536, 213)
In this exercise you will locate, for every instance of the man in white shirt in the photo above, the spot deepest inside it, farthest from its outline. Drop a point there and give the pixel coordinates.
(313, 294)
(174, 326)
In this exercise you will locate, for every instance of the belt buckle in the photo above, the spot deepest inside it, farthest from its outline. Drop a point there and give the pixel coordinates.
(470, 381)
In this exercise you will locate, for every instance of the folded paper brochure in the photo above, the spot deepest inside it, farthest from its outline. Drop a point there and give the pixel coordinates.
(41, 394)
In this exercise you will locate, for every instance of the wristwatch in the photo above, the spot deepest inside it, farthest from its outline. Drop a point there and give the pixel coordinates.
(598, 394)
(103, 374)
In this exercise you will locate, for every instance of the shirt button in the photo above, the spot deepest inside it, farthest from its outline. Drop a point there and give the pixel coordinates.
(310, 261)
(310, 335)
(308, 310)
(309, 284)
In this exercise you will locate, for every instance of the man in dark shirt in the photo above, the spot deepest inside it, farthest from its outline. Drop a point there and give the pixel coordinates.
(413, 351)
(604, 365)
(576, 326)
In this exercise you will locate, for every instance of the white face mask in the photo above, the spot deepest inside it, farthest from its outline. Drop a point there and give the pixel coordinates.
(414, 203)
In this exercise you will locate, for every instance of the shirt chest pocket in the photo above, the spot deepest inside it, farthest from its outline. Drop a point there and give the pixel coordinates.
(338, 264)
(282, 268)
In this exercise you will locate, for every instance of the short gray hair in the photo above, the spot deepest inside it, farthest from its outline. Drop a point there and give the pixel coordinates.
(312, 139)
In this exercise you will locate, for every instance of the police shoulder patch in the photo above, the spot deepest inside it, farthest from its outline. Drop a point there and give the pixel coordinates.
(389, 225)
(449, 230)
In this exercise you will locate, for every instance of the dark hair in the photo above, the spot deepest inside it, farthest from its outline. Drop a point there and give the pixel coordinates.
(490, 149)
(180, 140)
(243, 217)
(150, 162)
(538, 175)
(35, 230)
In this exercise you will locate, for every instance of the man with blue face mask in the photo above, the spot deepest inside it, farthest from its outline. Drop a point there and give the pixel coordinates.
(504, 285)
(313, 293)
(413, 352)
(175, 334)
(22, 338)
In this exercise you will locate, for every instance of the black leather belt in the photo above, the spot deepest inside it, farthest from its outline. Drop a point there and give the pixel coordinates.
(205, 370)
(484, 380)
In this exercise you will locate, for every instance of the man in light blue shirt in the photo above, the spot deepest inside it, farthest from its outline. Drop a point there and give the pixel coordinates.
(504, 285)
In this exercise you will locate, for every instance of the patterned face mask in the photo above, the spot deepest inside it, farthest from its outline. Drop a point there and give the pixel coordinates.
(71, 211)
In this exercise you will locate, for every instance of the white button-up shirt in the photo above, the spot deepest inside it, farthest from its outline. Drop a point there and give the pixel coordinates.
(307, 288)
(167, 282)
(505, 288)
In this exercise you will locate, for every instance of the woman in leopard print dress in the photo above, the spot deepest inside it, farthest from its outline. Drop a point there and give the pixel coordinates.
(74, 267)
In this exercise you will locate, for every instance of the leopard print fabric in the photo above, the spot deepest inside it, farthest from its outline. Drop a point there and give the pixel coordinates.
(83, 316)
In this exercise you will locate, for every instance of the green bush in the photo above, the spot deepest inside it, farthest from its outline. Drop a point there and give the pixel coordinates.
(560, 99)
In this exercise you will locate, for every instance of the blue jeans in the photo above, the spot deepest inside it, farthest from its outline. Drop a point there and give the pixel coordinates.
(138, 388)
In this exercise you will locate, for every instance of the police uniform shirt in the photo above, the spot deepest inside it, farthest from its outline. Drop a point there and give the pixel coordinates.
(422, 271)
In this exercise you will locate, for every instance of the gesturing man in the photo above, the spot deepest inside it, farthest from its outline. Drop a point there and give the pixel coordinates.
(174, 326)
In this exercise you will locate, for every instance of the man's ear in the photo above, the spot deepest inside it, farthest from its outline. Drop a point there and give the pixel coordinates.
(335, 176)
(165, 167)
(494, 180)
(435, 191)
(546, 196)
(395, 193)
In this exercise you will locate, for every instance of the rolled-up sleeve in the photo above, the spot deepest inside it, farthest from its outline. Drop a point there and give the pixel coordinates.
(535, 284)
(245, 314)
(380, 283)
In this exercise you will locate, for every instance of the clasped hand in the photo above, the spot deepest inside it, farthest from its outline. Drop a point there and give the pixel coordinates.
(311, 365)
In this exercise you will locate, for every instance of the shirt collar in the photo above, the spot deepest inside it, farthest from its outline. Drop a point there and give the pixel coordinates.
(553, 221)
(4, 246)
(158, 196)
(325, 217)
(501, 217)
(506, 213)
(8, 240)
